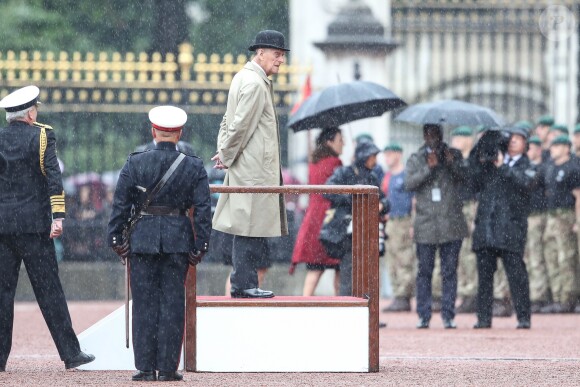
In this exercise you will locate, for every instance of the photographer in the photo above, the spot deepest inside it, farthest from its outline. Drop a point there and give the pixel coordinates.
(503, 182)
(360, 173)
(436, 173)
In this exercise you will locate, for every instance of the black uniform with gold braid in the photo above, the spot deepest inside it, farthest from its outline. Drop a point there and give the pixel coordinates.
(31, 195)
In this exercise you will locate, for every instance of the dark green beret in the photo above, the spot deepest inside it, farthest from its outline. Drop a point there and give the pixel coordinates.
(546, 120)
(560, 128)
(393, 147)
(563, 139)
(535, 140)
(364, 137)
(527, 125)
(462, 131)
(577, 129)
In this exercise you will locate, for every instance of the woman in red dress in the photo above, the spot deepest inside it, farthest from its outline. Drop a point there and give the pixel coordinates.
(308, 249)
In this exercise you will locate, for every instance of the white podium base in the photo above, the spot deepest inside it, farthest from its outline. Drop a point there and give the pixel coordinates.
(106, 340)
(282, 339)
(252, 339)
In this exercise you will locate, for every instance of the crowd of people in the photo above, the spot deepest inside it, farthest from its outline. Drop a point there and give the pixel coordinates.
(508, 193)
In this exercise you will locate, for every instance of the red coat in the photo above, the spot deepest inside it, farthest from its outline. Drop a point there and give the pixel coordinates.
(308, 248)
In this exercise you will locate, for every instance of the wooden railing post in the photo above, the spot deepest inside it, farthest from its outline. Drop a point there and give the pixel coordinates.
(190, 321)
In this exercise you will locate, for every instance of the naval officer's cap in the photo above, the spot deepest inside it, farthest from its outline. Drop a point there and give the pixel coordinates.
(21, 99)
(167, 118)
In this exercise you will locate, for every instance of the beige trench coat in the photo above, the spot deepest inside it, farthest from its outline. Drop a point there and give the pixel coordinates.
(249, 145)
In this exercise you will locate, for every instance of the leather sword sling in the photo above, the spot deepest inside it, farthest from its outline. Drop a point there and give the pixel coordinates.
(131, 225)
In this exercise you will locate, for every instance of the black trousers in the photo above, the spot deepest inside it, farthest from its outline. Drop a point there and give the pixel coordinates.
(345, 268)
(449, 253)
(158, 291)
(37, 253)
(517, 276)
(247, 254)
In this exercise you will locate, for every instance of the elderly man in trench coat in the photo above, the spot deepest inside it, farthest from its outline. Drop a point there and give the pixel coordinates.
(248, 147)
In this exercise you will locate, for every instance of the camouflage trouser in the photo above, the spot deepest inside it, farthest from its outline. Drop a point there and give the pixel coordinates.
(467, 270)
(534, 258)
(400, 257)
(560, 252)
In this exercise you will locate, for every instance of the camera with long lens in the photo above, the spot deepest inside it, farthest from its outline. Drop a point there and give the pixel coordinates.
(490, 144)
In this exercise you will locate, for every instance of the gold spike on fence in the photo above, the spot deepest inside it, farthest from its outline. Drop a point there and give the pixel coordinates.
(131, 82)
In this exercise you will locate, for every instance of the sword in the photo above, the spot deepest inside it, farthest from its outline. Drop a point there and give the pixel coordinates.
(127, 292)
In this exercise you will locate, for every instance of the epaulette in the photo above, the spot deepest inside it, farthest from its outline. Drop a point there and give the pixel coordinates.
(42, 126)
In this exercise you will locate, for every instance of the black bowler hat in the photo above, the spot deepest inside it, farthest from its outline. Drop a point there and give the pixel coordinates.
(269, 39)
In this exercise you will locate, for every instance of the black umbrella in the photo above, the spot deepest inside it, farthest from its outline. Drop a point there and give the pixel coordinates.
(346, 102)
(450, 112)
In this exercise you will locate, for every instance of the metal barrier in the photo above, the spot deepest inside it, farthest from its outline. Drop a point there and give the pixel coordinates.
(365, 258)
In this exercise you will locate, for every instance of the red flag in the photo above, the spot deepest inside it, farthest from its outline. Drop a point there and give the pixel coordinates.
(306, 91)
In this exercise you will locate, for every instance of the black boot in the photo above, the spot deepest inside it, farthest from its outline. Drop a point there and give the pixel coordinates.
(144, 376)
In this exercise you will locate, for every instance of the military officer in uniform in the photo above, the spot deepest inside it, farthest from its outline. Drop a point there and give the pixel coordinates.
(32, 211)
(163, 243)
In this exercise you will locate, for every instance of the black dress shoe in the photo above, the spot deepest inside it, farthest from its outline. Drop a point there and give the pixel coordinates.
(144, 376)
(449, 324)
(169, 376)
(524, 324)
(78, 360)
(482, 325)
(423, 323)
(382, 324)
(252, 293)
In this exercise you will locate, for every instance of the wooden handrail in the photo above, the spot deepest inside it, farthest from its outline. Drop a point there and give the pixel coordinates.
(365, 256)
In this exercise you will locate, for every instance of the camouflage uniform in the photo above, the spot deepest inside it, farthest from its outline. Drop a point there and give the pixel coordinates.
(534, 257)
(560, 241)
(400, 257)
(560, 251)
(467, 271)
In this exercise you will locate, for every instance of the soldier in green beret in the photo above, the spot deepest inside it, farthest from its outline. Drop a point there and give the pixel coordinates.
(400, 257)
(555, 131)
(534, 252)
(543, 126)
(561, 181)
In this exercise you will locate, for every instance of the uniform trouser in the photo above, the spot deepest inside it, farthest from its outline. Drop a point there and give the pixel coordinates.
(400, 257)
(158, 290)
(246, 253)
(560, 245)
(534, 258)
(449, 253)
(517, 276)
(37, 252)
(467, 269)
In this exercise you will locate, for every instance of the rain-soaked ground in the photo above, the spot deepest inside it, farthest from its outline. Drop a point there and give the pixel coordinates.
(547, 355)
